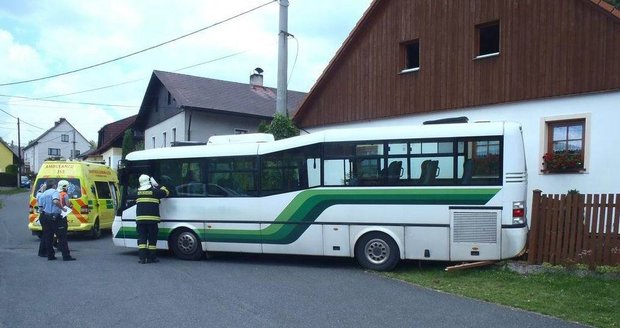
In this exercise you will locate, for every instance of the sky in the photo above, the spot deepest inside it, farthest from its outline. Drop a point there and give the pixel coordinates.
(40, 38)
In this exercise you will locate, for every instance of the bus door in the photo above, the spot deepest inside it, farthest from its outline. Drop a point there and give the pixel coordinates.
(475, 233)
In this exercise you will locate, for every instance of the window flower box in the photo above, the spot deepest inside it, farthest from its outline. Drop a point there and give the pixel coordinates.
(562, 163)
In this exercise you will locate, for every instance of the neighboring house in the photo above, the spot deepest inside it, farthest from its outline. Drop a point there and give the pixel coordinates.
(550, 65)
(62, 141)
(110, 142)
(7, 156)
(180, 108)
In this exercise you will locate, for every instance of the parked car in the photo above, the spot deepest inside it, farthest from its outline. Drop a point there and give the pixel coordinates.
(24, 182)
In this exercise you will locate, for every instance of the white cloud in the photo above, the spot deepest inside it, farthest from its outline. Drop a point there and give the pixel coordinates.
(50, 37)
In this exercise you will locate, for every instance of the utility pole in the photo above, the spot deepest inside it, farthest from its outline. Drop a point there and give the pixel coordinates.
(73, 152)
(19, 157)
(281, 103)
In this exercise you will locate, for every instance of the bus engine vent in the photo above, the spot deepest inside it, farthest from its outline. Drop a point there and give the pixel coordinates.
(475, 227)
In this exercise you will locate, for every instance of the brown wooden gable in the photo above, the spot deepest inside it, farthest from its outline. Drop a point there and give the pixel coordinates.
(547, 48)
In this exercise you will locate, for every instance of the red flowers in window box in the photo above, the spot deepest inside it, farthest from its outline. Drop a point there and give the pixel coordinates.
(563, 162)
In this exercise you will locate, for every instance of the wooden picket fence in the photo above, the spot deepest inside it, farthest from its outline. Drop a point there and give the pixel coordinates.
(575, 228)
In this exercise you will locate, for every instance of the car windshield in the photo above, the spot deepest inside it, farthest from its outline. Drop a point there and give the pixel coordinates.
(74, 190)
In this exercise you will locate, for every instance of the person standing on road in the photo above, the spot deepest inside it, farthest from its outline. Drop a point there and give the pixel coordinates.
(50, 217)
(61, 220)
(147, 217)
(45, 227)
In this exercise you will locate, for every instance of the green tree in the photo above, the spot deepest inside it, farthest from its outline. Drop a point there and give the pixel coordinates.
(281, 127)
(129, 144)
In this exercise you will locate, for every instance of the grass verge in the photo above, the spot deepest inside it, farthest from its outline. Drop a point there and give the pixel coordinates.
(592, 300)
(11, 191)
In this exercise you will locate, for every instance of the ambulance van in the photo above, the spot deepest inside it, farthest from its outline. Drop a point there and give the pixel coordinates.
(93, 192)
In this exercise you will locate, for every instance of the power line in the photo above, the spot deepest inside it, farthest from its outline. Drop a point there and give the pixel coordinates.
(118, 84)
(70, 102)
(140, 51)
(22, 121)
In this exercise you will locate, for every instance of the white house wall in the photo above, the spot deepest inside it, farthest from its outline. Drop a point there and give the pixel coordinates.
(203, 126)
(112, 156)
(168, 127)
(38, 153)
(601, 110)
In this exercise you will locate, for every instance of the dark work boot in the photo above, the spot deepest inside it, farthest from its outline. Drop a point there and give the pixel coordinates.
(142, 255)
(152, 256)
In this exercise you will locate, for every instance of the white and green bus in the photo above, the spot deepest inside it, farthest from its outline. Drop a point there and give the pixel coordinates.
(448, 192)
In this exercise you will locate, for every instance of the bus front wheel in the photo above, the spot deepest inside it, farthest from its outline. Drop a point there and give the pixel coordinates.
(186, 245)
(377, 251)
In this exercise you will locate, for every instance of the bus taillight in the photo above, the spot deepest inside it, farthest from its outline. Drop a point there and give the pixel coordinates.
(518, 213)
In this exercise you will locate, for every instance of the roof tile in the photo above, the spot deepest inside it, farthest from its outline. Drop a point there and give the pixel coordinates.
(225, 96)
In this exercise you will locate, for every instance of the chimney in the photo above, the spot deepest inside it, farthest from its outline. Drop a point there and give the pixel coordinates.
(256, 79)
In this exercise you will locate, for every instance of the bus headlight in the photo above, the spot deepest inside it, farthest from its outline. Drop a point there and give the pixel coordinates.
(518, 212)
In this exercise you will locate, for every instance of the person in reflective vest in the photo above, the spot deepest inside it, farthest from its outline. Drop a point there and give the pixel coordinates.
(147, 217)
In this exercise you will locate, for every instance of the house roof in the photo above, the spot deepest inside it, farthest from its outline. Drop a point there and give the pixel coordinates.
(62, 119)
(110, 133)
(15, 155)
(217, 95)
(607, 7)
(339, 53)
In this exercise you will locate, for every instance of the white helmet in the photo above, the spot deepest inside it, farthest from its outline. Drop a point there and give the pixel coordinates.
(62, 184)
(145, 182)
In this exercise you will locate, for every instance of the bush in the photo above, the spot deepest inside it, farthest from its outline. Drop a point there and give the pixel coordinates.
(281, 127)
(11, 169)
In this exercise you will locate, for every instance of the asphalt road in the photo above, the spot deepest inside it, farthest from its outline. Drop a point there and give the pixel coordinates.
(106, 287)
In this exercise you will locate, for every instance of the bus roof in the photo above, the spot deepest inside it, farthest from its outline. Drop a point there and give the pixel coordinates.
(329, 135)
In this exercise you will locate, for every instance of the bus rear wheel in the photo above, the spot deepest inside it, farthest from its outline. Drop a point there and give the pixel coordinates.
(185, 245)
(377, 251)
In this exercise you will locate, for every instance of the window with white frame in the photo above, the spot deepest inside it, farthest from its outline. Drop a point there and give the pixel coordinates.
(64, 138)
(164, 142)
(53, 151)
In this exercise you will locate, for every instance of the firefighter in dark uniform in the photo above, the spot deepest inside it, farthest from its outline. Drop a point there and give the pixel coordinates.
(147, 217)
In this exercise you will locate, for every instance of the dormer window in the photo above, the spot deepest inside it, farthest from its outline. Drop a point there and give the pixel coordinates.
(411, 55)
(487, 39)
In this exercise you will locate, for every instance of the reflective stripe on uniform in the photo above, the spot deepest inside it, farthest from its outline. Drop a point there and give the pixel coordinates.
(142, 246)
(147, 218)
(147, 200)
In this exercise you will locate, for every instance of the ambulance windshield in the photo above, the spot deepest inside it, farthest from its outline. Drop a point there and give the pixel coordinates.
(74, 190)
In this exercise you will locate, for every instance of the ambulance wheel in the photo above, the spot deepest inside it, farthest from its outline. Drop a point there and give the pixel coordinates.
(185, 245)
(95, 232)
(377, 251)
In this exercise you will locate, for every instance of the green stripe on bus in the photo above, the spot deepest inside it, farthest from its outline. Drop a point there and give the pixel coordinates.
(308, 205)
